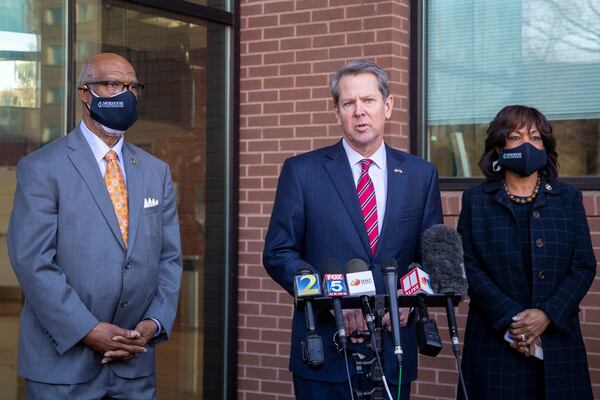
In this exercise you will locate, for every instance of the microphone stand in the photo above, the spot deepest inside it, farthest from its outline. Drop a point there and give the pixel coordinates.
(452, 326)
(379, 303)
(376, 345)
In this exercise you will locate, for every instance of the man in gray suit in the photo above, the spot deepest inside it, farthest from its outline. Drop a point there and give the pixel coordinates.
(94, 241)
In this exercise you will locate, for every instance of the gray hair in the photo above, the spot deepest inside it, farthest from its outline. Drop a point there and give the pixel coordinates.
(356, 67)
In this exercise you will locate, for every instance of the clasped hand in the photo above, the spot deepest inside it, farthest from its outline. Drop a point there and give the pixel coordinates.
(354, 321)
(527, 328)
(116, 343)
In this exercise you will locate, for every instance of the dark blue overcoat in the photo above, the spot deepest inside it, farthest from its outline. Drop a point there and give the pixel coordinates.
(563, 268)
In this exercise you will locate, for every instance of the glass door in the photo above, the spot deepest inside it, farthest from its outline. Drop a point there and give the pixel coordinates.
(32, 113)
(184, 119)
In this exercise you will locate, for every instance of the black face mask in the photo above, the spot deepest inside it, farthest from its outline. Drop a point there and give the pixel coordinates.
(118, 112)
(523, 160)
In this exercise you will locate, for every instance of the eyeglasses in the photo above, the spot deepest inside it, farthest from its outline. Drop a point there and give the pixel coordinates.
(116, 87)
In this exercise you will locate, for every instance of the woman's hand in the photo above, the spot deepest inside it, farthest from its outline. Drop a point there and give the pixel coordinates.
(528, 326)
(527, 350)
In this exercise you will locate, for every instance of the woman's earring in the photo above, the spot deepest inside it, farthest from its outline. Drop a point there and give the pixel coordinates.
(496, 167)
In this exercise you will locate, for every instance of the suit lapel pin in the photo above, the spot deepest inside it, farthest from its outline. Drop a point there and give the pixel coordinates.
(548, 187)
(133, 161)
(398, 171)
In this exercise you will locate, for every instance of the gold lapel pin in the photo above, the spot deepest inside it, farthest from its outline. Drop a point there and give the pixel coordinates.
(398, 171)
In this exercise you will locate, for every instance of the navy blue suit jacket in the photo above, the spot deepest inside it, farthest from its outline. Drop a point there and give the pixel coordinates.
(563, 269)
(317, 215)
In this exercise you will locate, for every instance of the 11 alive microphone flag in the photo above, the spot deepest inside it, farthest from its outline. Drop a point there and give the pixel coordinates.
(335, 285)
(416, 281)
(307, 285)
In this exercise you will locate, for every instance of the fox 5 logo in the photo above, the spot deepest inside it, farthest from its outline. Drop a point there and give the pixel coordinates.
(335, 285)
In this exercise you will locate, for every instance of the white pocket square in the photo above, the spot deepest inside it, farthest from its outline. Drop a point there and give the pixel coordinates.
(150, 202)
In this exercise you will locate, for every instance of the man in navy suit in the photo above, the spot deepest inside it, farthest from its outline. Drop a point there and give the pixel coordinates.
(321, 211)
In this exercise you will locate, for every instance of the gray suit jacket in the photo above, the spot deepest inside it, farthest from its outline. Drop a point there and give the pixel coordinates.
(70, 259)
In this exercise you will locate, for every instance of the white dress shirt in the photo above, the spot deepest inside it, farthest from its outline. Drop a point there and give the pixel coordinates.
(99, 148)
(377, 172)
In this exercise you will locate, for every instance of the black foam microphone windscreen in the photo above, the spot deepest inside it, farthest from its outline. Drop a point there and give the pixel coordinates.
(442, 254)
(443, 259)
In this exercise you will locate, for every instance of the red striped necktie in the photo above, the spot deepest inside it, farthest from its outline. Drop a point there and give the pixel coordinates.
(368, 203)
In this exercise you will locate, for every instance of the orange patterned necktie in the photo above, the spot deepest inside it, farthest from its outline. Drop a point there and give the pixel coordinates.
(117, 191)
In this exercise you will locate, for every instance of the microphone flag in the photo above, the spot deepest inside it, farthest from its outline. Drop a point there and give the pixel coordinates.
(416, 281)
(361, 283)
(307, 285)
(335, 285)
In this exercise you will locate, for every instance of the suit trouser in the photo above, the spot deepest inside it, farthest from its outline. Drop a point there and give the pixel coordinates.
(106, 385)
(307, 389)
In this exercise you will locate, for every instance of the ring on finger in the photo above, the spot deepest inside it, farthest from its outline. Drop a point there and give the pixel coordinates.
(523, 338)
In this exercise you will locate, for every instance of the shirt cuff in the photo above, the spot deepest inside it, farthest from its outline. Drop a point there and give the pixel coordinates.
(159, 330)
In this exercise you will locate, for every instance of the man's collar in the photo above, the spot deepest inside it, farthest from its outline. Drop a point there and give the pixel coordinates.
(354, 156)
(99, 148)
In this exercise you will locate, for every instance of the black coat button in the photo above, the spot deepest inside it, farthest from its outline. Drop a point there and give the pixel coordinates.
(539, 243)
(536, 214)
(541, 275)
(127, 266)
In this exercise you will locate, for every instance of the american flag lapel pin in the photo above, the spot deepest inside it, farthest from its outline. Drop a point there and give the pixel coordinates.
(398, 171)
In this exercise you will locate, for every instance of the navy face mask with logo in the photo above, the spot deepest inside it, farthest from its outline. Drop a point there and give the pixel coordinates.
(523, 160)
(118, 112)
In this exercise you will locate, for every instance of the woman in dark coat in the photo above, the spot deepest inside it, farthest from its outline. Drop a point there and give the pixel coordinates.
(529, 262)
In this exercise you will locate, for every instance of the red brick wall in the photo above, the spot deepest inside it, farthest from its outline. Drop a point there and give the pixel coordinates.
(590, 306)
(288, 51)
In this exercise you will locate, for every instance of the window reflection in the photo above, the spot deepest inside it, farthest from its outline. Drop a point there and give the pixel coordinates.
(32, 113)
(485, 54)
(222, 4)
(19, 84)
(456, 149)
(182, 121)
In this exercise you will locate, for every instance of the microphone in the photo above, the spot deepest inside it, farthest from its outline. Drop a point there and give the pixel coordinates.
(361, 283)
(360, 278)
(306, 286)
(442, 255)
(334, 285)
(428, 335)
(390, 270)
(416, 282)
